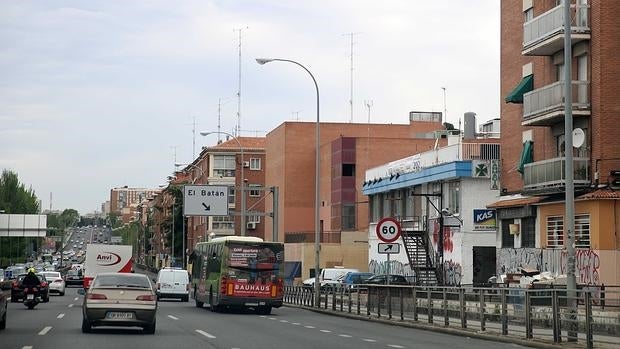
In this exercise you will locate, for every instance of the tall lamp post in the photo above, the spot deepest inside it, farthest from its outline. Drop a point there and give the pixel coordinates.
(193, 181)
(242, 186)
(317, 235)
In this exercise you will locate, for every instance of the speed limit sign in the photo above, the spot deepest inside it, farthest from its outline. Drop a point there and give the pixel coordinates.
(388, 229)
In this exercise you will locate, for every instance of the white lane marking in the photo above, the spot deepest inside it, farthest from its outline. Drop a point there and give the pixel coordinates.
(395, 346)
(283, 320)
(263, 316)
(345, 335)
(369, 340)
(70, 305)
(28, 347)
(296, 323)
(75, 299)
(173, 317)
(309, 326)
(326, 331)
(272, 318)
(60, 316)
(208, 335)
(45, 330)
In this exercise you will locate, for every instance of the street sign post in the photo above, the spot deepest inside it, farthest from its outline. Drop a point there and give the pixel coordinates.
(389, 248)
(388, 230)
(205, 200)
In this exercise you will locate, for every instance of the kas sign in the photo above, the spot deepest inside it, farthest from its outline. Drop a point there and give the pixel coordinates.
(484, 219)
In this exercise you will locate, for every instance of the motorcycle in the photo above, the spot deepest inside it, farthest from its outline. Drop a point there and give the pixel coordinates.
(31, 297)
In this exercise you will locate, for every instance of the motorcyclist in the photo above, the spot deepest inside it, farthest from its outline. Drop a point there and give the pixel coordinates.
(31, 279)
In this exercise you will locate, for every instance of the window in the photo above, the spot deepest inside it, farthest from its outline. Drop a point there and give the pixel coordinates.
(560, 72)
(409, 203)
(582, 230)
(507, 239)
(348, 170)
(397, 204)
(255, 164)
(252, 217)
(254, 192)
(528, 14)
(375, 204)
(386, 201)
(528, 232)
(231, 195)
(224, 165)
(223, 223)
(555, 231)
(348, 216)
(454, 197)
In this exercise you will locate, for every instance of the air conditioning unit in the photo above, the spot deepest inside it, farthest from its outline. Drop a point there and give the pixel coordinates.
(246, 164)
(251, 225)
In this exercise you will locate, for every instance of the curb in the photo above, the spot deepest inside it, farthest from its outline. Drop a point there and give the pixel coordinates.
(495, 337)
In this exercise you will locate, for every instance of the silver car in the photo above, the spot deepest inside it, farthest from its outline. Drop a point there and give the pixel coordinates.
(55, 281)
(120, 299)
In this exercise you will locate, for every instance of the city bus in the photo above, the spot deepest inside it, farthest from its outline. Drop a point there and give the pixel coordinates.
(238, 272)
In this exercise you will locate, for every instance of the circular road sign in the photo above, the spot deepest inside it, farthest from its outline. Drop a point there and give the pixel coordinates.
(388, 229)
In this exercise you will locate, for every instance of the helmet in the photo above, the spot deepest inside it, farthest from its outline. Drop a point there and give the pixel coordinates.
(31, 270)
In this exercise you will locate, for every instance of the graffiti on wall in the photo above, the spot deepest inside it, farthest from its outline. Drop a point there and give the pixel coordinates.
(453, 273)
(396, 267)
(448, 234)
(511, 260)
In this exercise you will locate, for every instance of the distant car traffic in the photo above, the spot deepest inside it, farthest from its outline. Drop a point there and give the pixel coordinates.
(74, 277)
(120, 299)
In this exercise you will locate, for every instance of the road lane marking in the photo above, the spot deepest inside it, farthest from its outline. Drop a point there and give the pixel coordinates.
(173, 317)
(263, 316)
(60, 316)
(369, 340)
(283, 320)
(296, 323)
(70, 305)
(208, 335)
(326, 331)
(45, 330)
(28, 347)
(395, 346)
(272, 318)
(309, 326)
(345, 335)
(75, 299)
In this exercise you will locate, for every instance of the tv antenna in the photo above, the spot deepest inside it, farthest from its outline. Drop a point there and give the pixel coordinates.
(238, 128)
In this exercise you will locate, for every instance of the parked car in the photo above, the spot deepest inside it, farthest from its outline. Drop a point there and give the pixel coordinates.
(17, 289)
(382, 280)
(55, 281)
(351, 279)
(173, 283)
(74, 277)
(119, 299)
(3, 305)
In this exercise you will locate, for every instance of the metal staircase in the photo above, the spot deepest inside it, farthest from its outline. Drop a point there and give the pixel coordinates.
(420, 252)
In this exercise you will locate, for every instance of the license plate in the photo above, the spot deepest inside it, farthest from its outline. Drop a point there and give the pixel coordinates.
(251, 304)
(30, 296)
(119, 316)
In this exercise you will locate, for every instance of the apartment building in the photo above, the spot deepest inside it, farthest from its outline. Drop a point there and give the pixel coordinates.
(124, 201)
(531, 210)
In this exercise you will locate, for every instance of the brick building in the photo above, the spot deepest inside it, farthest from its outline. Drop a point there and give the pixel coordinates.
(124, 201)
(531, 211)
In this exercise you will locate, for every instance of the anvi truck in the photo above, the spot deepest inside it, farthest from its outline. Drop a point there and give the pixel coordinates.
(101, 258)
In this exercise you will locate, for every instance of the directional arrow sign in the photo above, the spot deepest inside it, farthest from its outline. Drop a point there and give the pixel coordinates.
(389, 248)
(205, 200)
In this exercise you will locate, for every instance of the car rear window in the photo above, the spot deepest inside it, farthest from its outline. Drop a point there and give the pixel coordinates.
(118, 280)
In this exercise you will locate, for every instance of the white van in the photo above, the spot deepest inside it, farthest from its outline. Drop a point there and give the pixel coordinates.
(173, 283)
(330, 276)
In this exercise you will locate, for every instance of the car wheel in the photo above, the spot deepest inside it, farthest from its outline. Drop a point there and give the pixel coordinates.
(62, 293)
(199, 304)
(263, 310)
(46, 299)
(150, 329)
(86, 327)
(3, 321)
(14, 299)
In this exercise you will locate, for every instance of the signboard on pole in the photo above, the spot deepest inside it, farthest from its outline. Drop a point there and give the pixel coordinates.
(205, 200)
(388, 229)
(389, 248)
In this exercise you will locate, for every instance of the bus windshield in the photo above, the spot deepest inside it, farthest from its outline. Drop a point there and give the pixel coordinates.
(254, 257)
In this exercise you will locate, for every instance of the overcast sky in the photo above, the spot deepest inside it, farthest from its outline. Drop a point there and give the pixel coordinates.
(95, 94)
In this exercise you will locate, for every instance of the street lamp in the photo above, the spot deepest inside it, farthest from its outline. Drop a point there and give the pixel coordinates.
(317, 236)
(242, 228)
(193, 181)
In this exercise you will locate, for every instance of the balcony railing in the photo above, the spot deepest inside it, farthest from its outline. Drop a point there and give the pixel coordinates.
(550, 176)
(545, 106)
(543, 34)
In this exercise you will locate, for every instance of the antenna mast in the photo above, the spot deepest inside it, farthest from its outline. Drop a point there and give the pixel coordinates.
(445, 111)
(351, 82)
(194, 140)
(219, 120)
(238, 128)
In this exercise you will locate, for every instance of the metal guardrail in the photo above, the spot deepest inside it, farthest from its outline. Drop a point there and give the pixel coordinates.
(541, 314)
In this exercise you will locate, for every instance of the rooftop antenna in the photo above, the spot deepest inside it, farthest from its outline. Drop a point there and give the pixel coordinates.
(368, 104)
(219, 120)
(238, 128)
(174, 154)
(193, 139)
(296, 113)
(351, 67)
(445, 111)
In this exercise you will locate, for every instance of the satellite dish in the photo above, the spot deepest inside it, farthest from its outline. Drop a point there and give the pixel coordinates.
(578, 137)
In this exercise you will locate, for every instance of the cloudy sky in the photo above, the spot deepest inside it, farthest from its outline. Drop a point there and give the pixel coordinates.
(99, 94)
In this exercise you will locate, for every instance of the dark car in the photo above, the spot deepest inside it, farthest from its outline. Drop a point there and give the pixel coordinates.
(74, 277)
(3, 304)
(382, 280)
(351, 279)
(17, 290)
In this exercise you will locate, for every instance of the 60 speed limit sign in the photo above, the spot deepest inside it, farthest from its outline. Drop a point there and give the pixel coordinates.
(388, 229)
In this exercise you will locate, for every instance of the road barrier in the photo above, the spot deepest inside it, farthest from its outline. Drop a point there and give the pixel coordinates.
(528, 313)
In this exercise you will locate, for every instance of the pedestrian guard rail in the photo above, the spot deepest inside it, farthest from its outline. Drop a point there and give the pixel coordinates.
(588, 316)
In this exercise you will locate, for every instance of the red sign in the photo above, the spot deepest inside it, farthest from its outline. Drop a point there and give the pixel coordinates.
(243, 289)
(388, 229)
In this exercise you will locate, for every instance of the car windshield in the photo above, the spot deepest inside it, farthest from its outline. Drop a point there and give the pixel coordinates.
(52, 275)
(118, 280)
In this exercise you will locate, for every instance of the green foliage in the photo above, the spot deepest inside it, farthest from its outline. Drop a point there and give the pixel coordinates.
(114, 220)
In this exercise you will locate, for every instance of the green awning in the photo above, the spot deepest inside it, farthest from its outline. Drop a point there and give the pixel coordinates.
(527, 156)
(516, 95)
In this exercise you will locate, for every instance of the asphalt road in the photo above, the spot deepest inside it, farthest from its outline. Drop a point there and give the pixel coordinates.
(57, 325)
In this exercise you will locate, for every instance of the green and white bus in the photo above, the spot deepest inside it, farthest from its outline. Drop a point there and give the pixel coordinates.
(240, 272)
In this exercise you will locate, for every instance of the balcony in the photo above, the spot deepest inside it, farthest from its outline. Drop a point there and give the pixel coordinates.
(545, 106)
(544, 35)
(548, 176)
